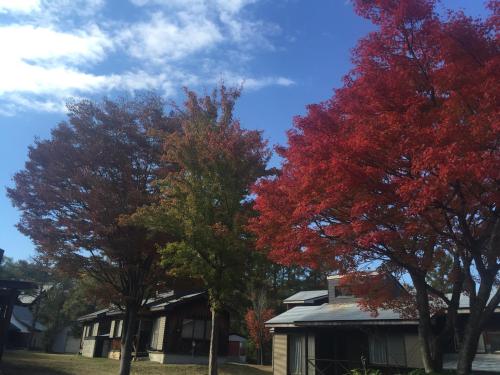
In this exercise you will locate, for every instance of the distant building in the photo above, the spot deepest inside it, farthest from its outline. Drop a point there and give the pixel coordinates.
(21, 330)
(9, 292)
(27, 332)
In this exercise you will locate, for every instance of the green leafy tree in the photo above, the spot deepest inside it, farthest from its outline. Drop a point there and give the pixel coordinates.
(205, 197)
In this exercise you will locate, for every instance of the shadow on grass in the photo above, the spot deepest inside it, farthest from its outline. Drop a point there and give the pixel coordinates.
(31, 363)
(22, 369)
(243, 369)
(22, 362)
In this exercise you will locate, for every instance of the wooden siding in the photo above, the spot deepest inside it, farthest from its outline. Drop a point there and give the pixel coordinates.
(413, 356)
(280, 353)
(88, 348)
(173, 342)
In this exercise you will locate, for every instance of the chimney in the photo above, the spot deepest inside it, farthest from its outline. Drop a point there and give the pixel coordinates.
(338, 292)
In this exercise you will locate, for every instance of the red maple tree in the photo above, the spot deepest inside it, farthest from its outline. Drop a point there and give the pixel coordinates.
(401, 167)
(257, 330)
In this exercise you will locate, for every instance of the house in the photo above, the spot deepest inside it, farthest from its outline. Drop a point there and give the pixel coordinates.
(25, 328)
(330, 338)
(9, 291)
(173, 327)
(307, 298)
(21, 329)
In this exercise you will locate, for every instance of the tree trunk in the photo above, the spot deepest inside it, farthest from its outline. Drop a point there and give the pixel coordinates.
(31, 339)
(472, 329)
(261, 355)
(425, 334)
(129, 328)
(467, 350)
(481, 310)
(214, 343)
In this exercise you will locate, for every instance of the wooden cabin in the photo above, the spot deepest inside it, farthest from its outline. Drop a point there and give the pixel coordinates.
(318, 337)
(174, 327)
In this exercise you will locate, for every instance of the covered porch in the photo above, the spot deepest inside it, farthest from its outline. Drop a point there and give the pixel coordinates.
(334, 350)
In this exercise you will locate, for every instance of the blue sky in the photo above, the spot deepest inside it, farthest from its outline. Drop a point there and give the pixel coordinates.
(287, 53)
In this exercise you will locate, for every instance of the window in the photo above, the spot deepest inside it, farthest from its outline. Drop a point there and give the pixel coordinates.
(196, 329)
(87, 330)
(119, 327)
(343, 291)
(187, 328)
(116, 328)
(378, 350)
(387, 349)
(156, 334)
(297, 354)
(95, 329)
(199, 330)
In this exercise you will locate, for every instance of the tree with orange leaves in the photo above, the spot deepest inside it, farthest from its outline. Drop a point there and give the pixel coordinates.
(255, 319)
(401, 167)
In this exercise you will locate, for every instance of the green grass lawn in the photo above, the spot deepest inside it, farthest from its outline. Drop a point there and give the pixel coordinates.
(29, 363)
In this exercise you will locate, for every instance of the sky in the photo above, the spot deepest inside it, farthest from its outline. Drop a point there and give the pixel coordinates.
(286, 53)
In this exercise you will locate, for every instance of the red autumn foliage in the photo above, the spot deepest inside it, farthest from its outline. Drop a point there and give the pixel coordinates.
(401, 167)
(256, 327)
(404, 150)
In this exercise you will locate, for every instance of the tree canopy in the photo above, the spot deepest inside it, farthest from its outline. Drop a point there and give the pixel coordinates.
(400, 168)
(79, 188)
(212, 162)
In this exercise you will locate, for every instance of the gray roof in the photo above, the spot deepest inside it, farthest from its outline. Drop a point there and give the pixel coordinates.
(341, 313)
(95, 314)
(293, 315)
(464, 302)
(160, 302)
(307, 296)
(29, 298)
(24, 315)
(174, 301)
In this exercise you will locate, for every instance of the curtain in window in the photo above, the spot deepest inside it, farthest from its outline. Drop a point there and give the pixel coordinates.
(297, 355)
(378, 349)
(154, 336)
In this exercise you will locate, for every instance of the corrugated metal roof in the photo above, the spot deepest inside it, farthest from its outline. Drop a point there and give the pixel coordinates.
(293, 315)
(348, 311)
(307, 295)
(342, 312)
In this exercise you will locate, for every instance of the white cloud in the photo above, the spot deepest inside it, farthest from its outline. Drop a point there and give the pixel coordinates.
(56, 49)
(31, 43)
(252, 83)
(43, 60)
(19, 6)
(232, 6)
(162, 39)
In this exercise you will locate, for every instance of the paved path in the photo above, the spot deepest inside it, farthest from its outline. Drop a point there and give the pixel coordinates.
(482, 362)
